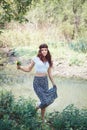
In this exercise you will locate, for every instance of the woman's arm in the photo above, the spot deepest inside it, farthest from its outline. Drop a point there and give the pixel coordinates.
(26, 68)
(50, 76)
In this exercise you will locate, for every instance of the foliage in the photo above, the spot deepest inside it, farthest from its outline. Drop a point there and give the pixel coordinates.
(13, 10)
(70, 16)
(69, 118)
(21, 115)
(21, 51)
(6, 101)
(79, 46)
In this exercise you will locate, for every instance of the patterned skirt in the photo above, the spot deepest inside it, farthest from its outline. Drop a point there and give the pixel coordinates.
(46, 95)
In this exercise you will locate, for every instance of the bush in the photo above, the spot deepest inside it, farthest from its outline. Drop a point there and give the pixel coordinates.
(6, 101)
(19, 115)
(70, 119)
(79, 46)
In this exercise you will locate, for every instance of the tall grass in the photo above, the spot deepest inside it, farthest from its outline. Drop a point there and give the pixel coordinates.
(27, 34)
(15, 38)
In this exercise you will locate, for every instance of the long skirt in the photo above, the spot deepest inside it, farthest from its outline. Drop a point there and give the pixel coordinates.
(46, 95)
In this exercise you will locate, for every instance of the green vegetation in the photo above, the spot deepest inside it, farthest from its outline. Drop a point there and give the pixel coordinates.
(60, 24)
(13, 10)
(70, 118)
(21, 115)
(68, 16)
(79, 46)
(24, 25)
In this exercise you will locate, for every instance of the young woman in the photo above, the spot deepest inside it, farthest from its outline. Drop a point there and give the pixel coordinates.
(43, 65)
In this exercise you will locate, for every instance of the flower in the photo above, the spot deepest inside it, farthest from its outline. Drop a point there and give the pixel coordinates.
(18, 62)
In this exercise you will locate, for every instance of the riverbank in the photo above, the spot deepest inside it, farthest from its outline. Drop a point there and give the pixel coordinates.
(63, 69)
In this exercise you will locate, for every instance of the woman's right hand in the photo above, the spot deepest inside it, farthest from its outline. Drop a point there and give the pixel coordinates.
(18, 66)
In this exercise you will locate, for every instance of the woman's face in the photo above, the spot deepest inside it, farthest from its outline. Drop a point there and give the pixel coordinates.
(44, 51)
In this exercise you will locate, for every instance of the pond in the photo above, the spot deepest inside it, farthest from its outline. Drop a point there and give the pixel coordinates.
(70, 90)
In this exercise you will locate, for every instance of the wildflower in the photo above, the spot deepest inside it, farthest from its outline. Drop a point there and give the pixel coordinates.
(18, 62)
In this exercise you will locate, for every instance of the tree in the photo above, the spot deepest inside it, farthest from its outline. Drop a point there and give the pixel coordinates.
(13, 10)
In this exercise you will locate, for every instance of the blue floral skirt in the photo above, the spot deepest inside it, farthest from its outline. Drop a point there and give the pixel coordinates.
(46, 95)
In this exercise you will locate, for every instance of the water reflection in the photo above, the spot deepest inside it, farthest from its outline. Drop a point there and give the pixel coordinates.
(70, 91)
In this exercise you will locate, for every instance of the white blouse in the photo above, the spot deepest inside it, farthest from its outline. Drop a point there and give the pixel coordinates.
(40, 66)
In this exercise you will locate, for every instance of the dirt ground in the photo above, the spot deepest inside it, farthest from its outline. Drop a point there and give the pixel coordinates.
(63, 69)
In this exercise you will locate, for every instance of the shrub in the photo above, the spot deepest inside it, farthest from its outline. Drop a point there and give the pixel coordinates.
(19, 114)
(25, 114)
(79, 46)
(71, 118)
(6, 101)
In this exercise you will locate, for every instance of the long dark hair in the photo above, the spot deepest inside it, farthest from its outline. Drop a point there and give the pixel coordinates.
(48, 56)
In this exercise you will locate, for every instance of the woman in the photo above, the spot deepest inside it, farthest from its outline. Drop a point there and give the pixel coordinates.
(43, 65)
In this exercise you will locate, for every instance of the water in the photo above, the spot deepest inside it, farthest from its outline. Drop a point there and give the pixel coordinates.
(70, 91)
